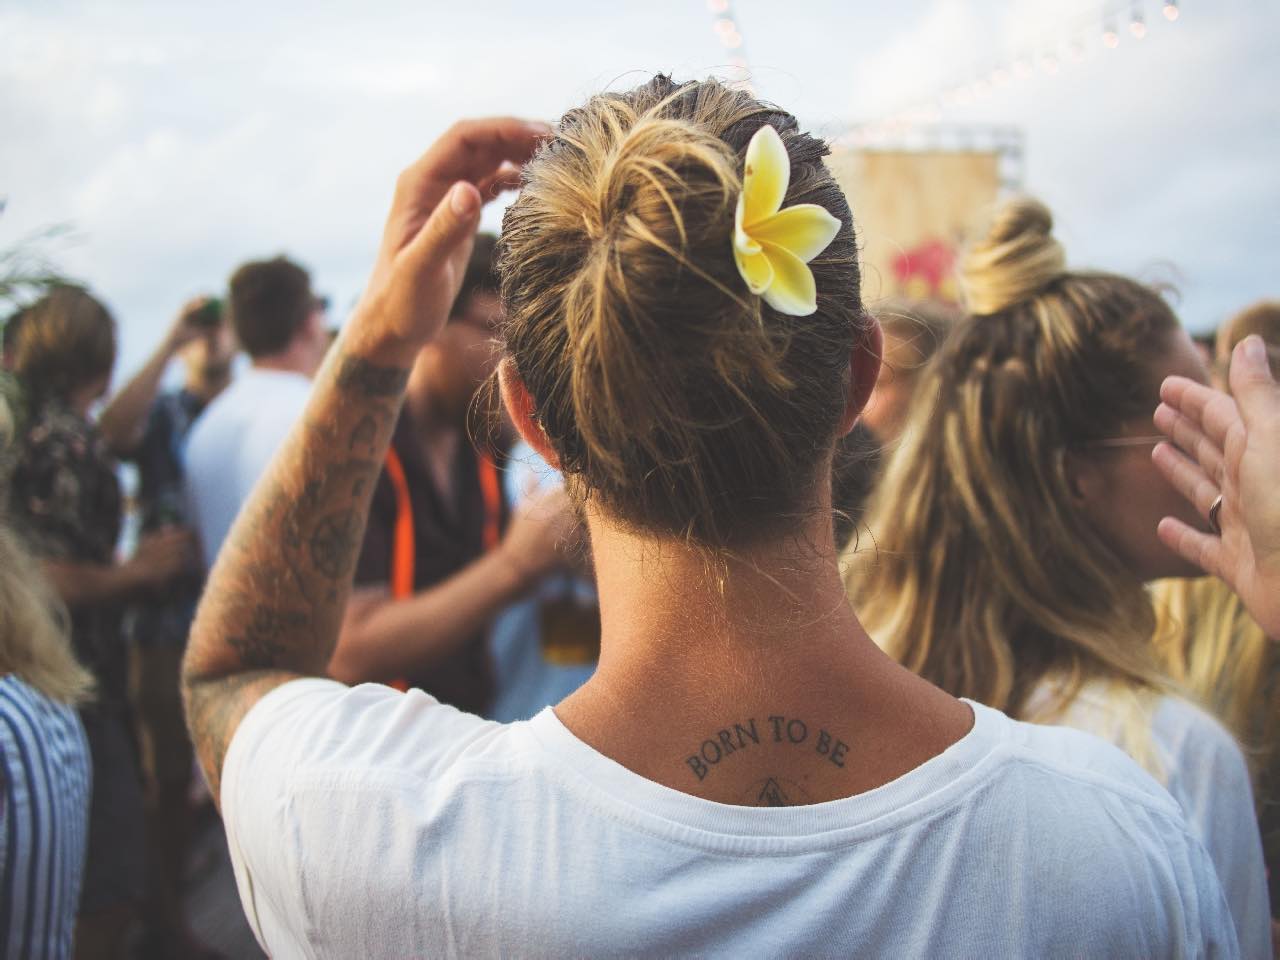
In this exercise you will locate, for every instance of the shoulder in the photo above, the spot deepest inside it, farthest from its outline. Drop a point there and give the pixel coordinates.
(1184, 728)
(318, 727)
(1075, 755)
(55, 431)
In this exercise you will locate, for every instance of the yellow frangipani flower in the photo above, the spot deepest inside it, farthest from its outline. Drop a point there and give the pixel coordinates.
(773, 246)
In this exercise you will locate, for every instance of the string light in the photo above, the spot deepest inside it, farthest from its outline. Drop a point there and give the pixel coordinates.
(1046, 53)
(717, 6)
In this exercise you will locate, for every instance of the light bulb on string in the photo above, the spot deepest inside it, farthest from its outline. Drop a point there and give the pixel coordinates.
(717, 6)
(1110, 38)
(1170, 10)
(1075, 51)
(1137, 27)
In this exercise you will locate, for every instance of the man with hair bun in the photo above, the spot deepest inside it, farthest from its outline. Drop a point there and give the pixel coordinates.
(745, 774)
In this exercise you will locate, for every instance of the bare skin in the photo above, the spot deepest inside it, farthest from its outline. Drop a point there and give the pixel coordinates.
(274, 602)
(683, 658)
(1233, 450)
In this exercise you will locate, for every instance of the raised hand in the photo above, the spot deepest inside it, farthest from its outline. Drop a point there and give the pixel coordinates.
(1230, 447)
(428, 233)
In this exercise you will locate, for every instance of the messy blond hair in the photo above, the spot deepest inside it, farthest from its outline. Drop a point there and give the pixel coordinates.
(676, 400)
(34, 636)
(988, 580)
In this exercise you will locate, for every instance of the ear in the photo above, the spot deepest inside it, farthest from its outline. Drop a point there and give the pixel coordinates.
(1085, 481)
(520, 409)
(864, 370)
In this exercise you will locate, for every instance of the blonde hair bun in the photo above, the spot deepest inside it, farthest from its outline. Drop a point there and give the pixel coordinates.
(1017, 259)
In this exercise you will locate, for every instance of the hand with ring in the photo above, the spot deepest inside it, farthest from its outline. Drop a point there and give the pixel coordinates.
(1227, 463)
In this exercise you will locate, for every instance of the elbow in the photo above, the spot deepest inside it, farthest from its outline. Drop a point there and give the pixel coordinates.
(355, 656)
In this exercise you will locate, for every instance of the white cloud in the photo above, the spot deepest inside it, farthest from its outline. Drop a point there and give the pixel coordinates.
(181, 140)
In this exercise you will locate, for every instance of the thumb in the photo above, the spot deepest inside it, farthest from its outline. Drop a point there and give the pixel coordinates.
(1256, 393)
(448, 232)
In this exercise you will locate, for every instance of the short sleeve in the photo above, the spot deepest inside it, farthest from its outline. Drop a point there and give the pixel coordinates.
(306, 758)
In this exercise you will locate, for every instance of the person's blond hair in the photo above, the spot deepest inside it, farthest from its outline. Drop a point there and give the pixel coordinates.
(675, 400)
(1261, 318)
(35, 643)
(1209, 644)
(986, 578)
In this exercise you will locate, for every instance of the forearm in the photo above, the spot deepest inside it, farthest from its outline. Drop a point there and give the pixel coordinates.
(124, 417)
(84, 583)
(274, 600)
(405, 638)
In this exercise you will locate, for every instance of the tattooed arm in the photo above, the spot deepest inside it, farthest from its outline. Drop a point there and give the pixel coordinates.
(273, 605)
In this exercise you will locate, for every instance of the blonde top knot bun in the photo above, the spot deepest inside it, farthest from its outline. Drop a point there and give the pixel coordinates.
(1017, 259)
(674, 398)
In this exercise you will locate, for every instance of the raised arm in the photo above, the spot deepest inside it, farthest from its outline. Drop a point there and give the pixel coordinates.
(1232, 450)
(124, 418)
(274, 601)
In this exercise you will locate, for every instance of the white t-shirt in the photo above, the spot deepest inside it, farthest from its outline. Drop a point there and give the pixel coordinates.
(1202, 767)
(367, 823)
(232, 443)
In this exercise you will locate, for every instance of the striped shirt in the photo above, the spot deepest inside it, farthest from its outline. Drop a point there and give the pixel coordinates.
(44, 806)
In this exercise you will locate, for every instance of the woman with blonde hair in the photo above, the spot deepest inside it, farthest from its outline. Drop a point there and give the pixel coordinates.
(1015, 528)
(44, 757)
(685, 342)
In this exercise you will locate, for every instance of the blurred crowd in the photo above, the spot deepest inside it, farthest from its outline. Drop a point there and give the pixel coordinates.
(995, 507)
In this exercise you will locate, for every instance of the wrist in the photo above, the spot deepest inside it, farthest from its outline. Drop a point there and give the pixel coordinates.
(366, 337)
(134, 576)
(521, 575)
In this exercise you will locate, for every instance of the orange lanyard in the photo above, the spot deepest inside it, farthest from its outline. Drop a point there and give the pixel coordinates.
(402, 541)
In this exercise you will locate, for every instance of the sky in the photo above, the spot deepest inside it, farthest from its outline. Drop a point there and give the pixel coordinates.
(179, 139)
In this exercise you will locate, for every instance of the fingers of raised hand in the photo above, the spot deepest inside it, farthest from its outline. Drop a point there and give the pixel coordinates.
(507, 177)
(472, 150)
(1186, 476)
(1257, 394)
(1186, 433)
(1202, 549)
(1210, 410)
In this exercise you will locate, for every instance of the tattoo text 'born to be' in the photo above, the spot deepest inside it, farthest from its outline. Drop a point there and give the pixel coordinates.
(789, 731)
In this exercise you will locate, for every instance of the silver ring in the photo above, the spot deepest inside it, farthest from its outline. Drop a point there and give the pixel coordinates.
(1214, 508)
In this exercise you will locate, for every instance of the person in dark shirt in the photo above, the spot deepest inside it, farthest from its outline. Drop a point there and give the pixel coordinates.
(439, 559)
(66, 502)
(150, 429)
